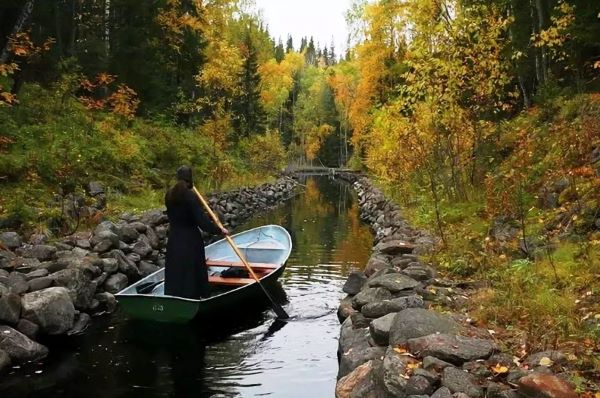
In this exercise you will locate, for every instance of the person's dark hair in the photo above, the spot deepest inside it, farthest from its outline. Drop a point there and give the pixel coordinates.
(185, 182)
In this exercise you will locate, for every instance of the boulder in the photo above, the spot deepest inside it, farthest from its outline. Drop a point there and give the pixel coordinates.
(129, 233)
(104, 241)
(107, 302)
(81, 323)
(450, 348)
(395, 372)
(348, 384)
(435, 364)
(541, 385)
(115, 283)
(419, 385)
(40, 252)
(380, 308)
(153, 238)
(10, 308)
(370, 295)
(154, 218)
(146, 268)
(38, 239)
(40, 283)
(419, 272)
(354, 283)
(380, 329)
(38, 273)
(394, 282)
(442, 392)
(142, 246)
(51, 309)
(418, 322)
(376, 263)
(10, 240)
(345, 309)
(19, 347)
(394, 247)
(79, 283)
(4, 360)
(17, 283)
(459, 381)
(28, 328)
(110, 265)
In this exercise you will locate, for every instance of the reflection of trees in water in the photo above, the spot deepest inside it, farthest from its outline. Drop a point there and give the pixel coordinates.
(325, 227)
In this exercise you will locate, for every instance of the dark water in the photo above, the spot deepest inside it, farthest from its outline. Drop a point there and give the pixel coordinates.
(253, 356)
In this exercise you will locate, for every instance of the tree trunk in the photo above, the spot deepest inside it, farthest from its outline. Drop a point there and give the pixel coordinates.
(21, 23)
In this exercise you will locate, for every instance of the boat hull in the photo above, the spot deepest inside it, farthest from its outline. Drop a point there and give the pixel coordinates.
(273, 246)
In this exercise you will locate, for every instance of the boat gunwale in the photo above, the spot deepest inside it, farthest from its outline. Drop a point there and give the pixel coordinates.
(204, 300)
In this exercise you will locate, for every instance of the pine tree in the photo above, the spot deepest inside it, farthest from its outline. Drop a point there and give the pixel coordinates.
(248, 113)
(332, 57)
(279, 52)
(289, 46)
(311, 53)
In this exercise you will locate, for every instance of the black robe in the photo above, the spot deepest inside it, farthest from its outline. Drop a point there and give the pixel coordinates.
(185, 269)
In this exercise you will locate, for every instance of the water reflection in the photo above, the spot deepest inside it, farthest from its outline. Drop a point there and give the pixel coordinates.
(241, 355)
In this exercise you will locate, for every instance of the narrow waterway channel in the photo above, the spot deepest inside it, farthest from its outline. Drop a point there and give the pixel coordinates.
(253, 357)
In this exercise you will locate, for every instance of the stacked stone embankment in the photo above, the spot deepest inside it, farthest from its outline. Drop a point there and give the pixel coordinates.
(392, 344)
(54, 288)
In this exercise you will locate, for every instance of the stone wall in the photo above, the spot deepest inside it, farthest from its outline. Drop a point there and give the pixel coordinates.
(392, 344)
(54, 288)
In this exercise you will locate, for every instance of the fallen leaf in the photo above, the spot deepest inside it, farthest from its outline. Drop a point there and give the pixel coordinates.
(400, 350)
(499, 369)
(545, 361)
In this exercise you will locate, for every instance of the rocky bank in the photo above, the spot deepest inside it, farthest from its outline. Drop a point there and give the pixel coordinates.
(393, 344)
(55, 288)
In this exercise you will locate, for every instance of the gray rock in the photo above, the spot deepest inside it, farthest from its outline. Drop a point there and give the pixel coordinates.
(419, 272)
(79, 283)
(395, 369)
(354, 283)
(557, 357)
(370, 295)
(129, 233)
(376, 263)
(139, 226)
(359, 321)
(19, 347)
(38, 239)
(345, 309)
(394, 247)
(418, 322)
(153, 238)
(110, 265)
(380, 329)
(154, 218)
(107, 301)
(381, 308)
(496, 390)
(4, 360)
(442, 392)
(162, 231)
(51, 309)
(147, 268)
(38, 273)
(115, 283)
(17, 283)
(142, 246)
(10, 240)
(105, 226)
(105, 241)
(40, 252)
(83, 244)
(460, 381)
(25, 263)
(435, 364)
(28, 328)
(450, 348)
(419, 385)
(94, 188)
(81, 323)
(394, 282)
(10, 308)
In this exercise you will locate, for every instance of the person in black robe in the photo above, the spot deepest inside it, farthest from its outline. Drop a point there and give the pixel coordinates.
(185, 269)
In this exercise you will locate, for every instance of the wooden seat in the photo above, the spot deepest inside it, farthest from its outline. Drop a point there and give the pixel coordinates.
(219, 280)
(257, 266)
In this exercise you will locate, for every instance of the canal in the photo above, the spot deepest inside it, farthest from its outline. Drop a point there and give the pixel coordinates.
(254, 356)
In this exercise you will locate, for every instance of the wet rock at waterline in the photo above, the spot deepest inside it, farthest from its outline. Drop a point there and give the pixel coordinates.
(51, 309)
(417, 322)
(19, 347)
